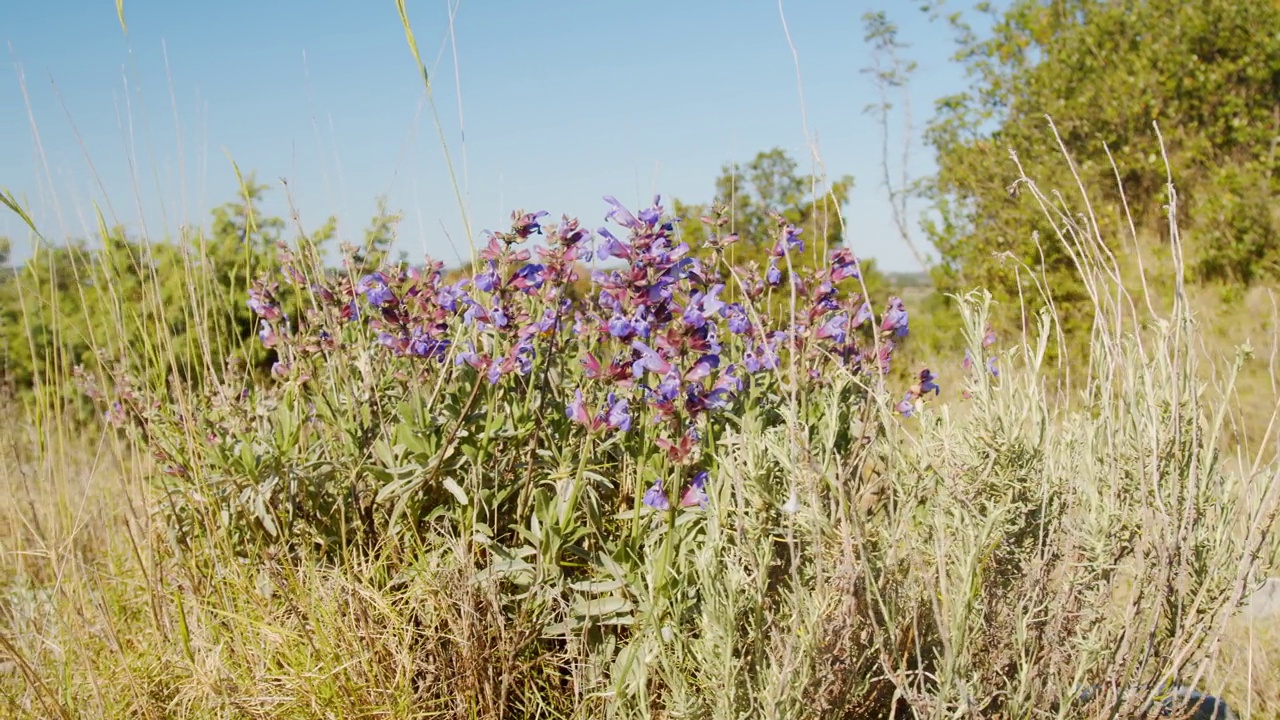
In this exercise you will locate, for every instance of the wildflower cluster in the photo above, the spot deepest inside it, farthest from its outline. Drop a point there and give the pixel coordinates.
(663, 348)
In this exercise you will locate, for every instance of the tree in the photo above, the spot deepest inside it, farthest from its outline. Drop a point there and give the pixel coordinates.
(770, 183)
(1207, 71)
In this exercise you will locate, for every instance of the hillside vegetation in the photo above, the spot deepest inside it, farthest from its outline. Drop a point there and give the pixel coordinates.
(703, 461)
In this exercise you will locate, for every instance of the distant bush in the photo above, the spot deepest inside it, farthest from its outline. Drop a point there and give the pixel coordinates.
(166, 312)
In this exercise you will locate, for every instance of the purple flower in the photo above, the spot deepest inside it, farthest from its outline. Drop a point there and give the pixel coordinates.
(529, 277)
(655, 498)
(470, 357)
(449, 295)
(711, 302)
(702, 368)
(548, 323)
(791, 236)
(619, 414)
(612, 247)
(649, 360)
(825, 297)
(577, 410)
(620, 327)
(729, 380)
(844, 265)
(668, 389)
(375, 290)
(570, 233)
(693, 316)
(610, 302)
(834, 328)
(527, 224)
(640, 323)
(620, 214)
(895, 318)
(499, 317)
(863, 315)
(651, 215)
(967, 363)
(696, 493)
(703, 304)
(268, 335)
(927, 383)
(739, 322)
(488, 280)
(261, 307)
(115, 415)
(885, 356)
(906, 407)
(523, 357)
(773, 276)
(989, 337)
(425, 346)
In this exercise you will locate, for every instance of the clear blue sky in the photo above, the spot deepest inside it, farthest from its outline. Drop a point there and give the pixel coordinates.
(562, 102)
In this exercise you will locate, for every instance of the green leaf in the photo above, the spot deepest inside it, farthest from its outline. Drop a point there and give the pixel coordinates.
(592, 586)
(7, 199)
(456, 490)
(595, 607)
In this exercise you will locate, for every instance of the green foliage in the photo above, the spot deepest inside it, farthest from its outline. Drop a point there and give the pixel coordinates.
(1207, 71)
(162, 311)
(988, 559)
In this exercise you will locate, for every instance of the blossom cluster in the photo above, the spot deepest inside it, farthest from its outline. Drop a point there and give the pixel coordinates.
(664, 334)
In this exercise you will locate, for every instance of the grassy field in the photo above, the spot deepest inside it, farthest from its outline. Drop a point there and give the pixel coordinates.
(693, 490)
(317, 546)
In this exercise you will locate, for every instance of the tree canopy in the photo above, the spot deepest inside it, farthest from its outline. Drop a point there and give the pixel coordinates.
(1207, 71)
(749, 194)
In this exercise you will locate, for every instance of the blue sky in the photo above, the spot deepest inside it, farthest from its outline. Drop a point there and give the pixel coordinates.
(561, 102)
